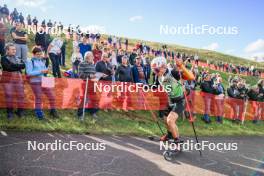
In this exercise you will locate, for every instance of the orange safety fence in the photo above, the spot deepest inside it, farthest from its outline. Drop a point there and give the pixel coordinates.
(16, 90)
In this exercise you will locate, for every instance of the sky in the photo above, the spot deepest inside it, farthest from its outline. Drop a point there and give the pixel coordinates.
(144, 19)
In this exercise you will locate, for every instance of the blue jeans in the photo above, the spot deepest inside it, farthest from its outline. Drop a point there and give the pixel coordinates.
(21, 51)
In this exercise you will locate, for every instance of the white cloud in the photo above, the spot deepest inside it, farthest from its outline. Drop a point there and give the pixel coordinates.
(30, 3)
(40, 4)
(136, 18)
(255, 50)
(255, 46)
(212, 46)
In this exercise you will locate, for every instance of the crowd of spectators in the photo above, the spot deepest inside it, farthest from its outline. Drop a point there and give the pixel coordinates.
(114, 57)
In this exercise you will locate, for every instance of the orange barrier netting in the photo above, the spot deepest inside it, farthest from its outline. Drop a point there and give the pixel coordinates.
(63, 93)
(214, 67)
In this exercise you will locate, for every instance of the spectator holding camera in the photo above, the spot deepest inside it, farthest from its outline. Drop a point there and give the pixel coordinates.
(238, 91)
(219, 98)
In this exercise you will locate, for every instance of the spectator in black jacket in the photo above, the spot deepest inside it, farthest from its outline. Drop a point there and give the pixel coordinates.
(256, 95)
(123, 72)
(237, 91)
(104, 66)
(208, 91)
(132, 57)
(21, 19)
(12, 80)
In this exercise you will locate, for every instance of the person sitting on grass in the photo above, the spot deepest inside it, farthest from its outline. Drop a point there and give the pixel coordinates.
(36, 69)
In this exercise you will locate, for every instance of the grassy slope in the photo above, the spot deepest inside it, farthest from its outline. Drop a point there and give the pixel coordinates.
(133, 122)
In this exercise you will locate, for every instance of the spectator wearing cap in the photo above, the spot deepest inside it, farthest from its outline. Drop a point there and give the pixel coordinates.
(20, 38)
(138, 72)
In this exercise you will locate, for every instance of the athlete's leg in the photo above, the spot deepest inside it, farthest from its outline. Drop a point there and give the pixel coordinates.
(171, 123)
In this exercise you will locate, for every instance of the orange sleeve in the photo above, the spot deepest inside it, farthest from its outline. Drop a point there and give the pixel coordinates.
(187, 74)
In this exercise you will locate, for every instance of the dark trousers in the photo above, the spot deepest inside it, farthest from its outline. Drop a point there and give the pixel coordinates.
(2, 48)
(38, 91)
(62, 60)
(55, 59)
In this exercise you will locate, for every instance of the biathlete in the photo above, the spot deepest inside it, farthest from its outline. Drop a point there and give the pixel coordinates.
(171, 76)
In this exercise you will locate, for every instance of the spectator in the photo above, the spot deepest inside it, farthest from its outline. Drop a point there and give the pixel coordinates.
(43, 24)
(132, 57)
(97, 53)
(87, 71)
(4, 12)
(54, 51)
(85, 46)
(12, 80)
(236, 91)
(35, 23)
(104, 66)
(255, 94)
(208, 90)
(42, 39)
(76, 59)
(219, 98)
(36, 69)
(126, 44)
(3, 30)
(21, 19)
(14, 16)
(29, 21)
(63, 53)
(138, 72)
(123, 72)
(20, 38)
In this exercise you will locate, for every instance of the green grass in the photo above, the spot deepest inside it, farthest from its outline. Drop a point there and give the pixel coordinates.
(137, 123)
